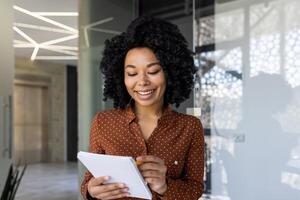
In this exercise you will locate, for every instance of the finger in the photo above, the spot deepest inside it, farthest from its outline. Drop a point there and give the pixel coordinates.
(149, 166)
(150, 158)
(97, 190)
(94, 183)
(118, 196)
(113, 193)
(153, 181)
(112, 187)
(152, 174)
(153, 166)
(98, 181)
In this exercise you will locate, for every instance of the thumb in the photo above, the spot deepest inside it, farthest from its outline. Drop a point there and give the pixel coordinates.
(98, 181)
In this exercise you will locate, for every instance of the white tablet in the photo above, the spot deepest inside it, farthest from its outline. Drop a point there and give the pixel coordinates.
(121, 169)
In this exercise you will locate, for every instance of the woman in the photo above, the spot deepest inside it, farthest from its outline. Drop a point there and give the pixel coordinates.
(147, 69)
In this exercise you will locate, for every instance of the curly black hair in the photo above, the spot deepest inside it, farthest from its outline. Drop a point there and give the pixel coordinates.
(169, 47)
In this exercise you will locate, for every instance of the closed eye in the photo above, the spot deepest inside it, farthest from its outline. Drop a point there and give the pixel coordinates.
(155, 72)
(131, 74)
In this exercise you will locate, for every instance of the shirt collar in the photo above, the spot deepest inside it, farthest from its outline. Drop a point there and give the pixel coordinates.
(130, 115)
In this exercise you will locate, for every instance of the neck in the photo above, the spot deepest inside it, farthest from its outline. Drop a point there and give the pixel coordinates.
(154, 111)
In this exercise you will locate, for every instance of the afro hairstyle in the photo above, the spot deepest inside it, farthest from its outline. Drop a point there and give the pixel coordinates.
(170, 48)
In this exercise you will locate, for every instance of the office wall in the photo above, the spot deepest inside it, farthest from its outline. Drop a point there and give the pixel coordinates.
(52, 77)
(6, 85)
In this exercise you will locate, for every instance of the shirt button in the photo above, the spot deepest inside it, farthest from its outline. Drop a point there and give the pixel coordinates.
(176, 162)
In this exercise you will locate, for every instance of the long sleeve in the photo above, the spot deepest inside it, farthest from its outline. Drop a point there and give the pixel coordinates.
(113, 132)
(93, 148)
(190, 187)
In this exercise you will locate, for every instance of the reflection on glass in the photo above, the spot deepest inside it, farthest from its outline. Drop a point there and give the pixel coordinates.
(264, 38)
(205, 31)
(264, 55)
(292, 52)
(248, 86)
(225, 24)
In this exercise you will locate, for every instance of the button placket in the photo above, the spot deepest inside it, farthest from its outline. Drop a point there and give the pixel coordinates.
(139, 136)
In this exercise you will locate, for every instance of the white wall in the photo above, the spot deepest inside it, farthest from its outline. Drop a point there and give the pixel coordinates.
(6, 85)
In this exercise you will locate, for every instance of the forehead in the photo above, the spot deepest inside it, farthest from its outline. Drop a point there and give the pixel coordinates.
(140, 55)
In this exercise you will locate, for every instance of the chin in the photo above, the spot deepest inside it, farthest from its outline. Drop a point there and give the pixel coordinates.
(146, 103)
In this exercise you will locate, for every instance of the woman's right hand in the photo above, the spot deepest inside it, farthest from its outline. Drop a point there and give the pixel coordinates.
(98, 190)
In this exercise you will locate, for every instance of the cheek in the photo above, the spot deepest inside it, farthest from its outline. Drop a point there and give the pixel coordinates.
(161, 82)
(129, 83)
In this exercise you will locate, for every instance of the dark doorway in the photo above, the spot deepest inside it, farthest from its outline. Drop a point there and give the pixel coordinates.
(72, 122)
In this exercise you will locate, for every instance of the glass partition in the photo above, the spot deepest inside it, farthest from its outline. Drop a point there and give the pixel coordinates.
(248, 88)
(98, 20)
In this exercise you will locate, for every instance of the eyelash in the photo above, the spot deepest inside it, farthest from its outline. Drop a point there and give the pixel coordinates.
(131, 74)
(155, 72)
(151, 73)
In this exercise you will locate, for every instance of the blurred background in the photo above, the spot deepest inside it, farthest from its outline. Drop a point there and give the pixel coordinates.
(247, 91)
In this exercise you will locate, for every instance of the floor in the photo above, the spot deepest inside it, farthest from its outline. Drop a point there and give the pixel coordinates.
(55, 181)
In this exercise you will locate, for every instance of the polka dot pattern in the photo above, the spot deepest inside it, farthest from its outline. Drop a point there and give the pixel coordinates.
(178, 139)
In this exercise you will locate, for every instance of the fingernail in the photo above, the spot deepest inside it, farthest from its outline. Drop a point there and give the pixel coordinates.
(139, 158)
(122, 185)
(106, 178)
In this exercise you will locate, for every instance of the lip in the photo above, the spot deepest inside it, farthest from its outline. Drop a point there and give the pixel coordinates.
(145, 94)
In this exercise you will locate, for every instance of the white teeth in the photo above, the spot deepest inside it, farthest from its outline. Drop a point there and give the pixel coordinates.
(145, 92)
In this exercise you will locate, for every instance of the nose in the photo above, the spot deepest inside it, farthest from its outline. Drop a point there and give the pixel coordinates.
(143, 80)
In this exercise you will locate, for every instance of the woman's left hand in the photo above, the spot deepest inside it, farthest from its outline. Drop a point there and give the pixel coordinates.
(154, 172)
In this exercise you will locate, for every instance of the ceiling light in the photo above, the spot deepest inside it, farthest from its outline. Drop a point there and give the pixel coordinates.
(63, 39)
(61, 47)
(45, 19)
(89, 26)
(24, 35)
(43, 28)
(20, 42)
(34, 53)
(28, 45)
(60, 51)
(57, 14)
(56, 58)
(105, 31)
(71, 51)
(99, 22)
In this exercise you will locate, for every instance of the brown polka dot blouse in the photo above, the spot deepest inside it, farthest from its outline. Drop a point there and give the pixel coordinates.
(178, 139)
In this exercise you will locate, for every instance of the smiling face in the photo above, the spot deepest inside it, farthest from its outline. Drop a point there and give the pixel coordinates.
(144, 77)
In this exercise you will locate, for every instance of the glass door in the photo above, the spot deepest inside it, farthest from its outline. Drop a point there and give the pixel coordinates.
(248, 87)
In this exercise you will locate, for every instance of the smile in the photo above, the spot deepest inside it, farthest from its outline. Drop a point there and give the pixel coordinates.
(146, 92)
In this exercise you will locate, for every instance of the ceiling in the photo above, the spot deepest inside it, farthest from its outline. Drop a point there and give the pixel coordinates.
(46, 30)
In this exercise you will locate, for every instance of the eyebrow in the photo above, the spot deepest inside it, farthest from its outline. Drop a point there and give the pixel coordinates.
(149, 65)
